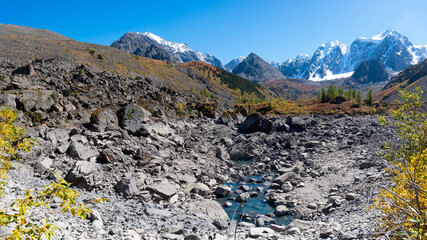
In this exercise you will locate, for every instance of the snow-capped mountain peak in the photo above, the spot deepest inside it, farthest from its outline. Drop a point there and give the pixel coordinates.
(148, 44)
(391, 48)
(175, 47)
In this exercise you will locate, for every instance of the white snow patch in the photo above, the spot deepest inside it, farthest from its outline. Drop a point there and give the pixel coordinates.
(330, 76)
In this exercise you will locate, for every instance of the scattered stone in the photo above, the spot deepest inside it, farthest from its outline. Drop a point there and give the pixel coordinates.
(126, 187)
(222, 191)
(281, 210)
(85, 175)
(164, 190)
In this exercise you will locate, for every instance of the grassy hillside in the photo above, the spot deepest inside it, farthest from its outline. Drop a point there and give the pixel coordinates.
(241, 88)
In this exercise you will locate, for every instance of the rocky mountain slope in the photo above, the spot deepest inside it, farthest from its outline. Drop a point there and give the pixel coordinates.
(370, 72)
(293, 88)
(23, 45)
(143, 44)
(412, 77)
(256, 69)
(335, 60)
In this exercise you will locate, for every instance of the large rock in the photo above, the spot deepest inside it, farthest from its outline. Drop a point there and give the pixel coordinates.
(126, 187)
(85, 175)
(201, 189)
(104, 118)
(251, 123)
(159, 128)
(287, 177)
(255, 123)
(79, 150)
(164, 190)
(281, 126)
(211, 208)
(222, 191)
(244, 151)
(298, 123)
(281, 210)
(243, 197)
(132, 119)
(32, 100)
(8, 100)
(262, 232)
(25, 70)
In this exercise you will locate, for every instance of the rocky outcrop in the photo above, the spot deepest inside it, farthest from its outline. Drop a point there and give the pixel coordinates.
(370, 72)
(255, 123)
(256, 69)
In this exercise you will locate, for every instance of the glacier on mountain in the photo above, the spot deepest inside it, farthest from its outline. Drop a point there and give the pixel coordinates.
(335, 60)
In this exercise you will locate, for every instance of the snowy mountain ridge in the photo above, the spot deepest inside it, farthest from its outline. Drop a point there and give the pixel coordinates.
(148, 44)
(335, 60)
(182, 52)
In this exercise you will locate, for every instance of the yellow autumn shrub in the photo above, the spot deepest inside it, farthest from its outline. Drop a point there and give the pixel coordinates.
(404, 203)
(19, 215)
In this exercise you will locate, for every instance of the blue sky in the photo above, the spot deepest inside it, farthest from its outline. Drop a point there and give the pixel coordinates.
(273, 29)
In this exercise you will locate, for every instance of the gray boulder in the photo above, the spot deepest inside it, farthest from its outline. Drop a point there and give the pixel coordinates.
(201, 189)
(222, 191)
(164, 190)
(211, 208)
(78, 148)
(31, 100)
(102, 119)
(86, 175)
(8, 100)
(281, 210)
(132, 119)
(255, 123)
(243, 197)
(298, 123)
(126, 187)
(287, 177)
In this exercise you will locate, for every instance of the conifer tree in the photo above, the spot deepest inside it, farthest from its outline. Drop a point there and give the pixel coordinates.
(359, 98)
(340, 91)
(323, 94)
(370, 97)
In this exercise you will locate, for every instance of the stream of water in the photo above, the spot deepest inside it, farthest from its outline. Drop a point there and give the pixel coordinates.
(254, 206)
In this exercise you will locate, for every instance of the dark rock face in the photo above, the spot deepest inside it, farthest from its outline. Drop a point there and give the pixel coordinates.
(26, 70)
(142, 46)
(132, 118)
(256, 69)
(251, 123)
(370, 72)
(255, 123)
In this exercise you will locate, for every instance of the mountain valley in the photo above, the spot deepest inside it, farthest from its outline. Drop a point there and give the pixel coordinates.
(184, 147)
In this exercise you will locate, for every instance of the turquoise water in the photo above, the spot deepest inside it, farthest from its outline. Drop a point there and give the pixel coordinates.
(254, 206)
